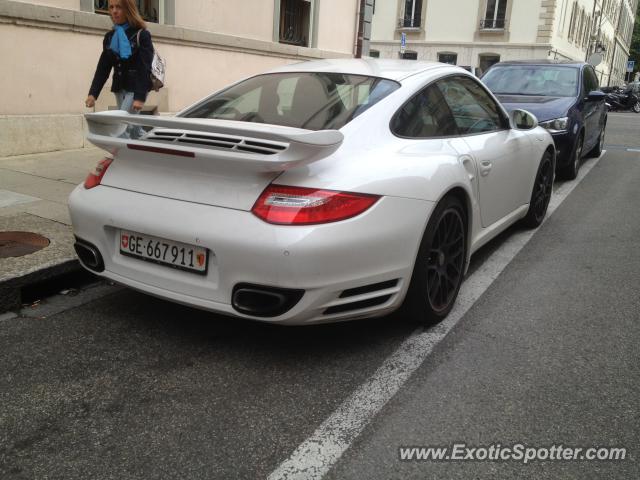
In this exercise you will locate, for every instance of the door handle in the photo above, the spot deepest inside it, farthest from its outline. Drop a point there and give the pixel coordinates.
(485, 167)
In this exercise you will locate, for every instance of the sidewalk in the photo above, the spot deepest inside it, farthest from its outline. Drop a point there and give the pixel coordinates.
(33, 198)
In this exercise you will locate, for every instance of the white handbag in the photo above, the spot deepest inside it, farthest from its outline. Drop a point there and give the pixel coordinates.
(158, 67)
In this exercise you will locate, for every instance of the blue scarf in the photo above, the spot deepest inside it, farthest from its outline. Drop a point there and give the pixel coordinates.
(119, 41)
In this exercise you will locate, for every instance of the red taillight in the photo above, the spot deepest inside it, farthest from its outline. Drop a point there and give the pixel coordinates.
(285, 205)
(94, 178)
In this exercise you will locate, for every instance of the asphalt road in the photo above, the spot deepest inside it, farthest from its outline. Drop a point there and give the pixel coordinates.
(110, 383)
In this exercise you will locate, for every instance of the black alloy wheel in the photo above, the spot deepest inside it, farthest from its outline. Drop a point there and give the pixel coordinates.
(445, 261)
(541, 193)
(439, 268)
(597, 150)
(570, 172)
(636, 107)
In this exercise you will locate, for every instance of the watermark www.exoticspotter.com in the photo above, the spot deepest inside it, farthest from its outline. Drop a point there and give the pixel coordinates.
(518, 452)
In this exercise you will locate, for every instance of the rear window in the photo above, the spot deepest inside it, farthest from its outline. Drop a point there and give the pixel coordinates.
(551, 81)
(315, 101)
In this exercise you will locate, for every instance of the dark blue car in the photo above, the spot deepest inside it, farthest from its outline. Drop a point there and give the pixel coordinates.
(566, 99)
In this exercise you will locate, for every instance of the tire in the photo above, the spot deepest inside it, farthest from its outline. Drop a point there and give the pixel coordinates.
(597, 150)
(636, 107)
(570, 172)
(440, 264)
(541, 192)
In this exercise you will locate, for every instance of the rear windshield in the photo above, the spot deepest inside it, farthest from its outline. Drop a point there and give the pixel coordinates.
(315, 101)
(552, 80)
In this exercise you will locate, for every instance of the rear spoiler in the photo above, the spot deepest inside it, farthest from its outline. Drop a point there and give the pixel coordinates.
(255, 146)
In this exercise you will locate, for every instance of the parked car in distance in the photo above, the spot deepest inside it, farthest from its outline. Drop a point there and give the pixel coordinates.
(317, 192)
(566, 99)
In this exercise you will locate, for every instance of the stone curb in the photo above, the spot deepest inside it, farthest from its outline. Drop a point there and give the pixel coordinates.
(11, 289)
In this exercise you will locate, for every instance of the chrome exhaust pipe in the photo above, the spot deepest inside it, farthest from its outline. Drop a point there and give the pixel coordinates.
(264, 301)
(89, 256)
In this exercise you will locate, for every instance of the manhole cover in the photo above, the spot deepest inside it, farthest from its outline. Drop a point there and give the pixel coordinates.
(17, 244)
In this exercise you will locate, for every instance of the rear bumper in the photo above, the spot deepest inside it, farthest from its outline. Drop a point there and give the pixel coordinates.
(324, 261)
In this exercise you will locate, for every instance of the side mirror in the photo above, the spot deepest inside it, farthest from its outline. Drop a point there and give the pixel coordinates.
(595, 96)
(522, 120)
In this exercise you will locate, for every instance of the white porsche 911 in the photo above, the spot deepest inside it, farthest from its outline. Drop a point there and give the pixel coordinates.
(317, 192)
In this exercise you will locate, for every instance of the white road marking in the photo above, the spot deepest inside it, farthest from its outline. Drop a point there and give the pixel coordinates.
(316, 455)
(633, 149)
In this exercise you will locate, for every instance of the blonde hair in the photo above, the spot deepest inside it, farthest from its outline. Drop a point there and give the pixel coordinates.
(134, 19)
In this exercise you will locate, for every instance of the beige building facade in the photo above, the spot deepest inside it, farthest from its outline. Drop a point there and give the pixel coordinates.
(50, 49)
(477, 33)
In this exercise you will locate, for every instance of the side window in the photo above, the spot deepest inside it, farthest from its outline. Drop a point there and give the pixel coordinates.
(248, 103)
(590, 80)
(426, 115)
(474, 111)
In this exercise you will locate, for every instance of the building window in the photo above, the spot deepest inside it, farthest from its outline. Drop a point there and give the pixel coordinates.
(149, 9)
(572, 22)
(582, 28)
(295, 16)
(587, 32)
(374, 53)
(576, 26)
(486, 61)
(450, 58)
(409, 55)
(412, 14)
(101, 6)
(494, 17)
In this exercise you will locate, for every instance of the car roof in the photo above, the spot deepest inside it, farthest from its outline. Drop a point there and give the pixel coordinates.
(544, 61)
(384, 68)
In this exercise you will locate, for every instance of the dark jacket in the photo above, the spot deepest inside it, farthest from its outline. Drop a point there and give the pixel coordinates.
(132, 74)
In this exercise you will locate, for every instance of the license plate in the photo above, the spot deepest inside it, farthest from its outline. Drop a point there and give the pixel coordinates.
(165, 252)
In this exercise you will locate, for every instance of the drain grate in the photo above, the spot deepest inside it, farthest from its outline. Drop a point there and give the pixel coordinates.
(18, 244)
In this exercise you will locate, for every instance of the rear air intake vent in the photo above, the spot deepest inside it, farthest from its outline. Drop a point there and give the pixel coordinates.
(346, 307)
(367, 296)
(218, 141)
(374, 287)
(167, 134)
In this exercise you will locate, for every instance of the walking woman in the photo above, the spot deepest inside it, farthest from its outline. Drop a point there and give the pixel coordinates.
(129, 54)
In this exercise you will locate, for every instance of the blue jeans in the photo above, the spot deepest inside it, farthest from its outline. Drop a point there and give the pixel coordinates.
(124, 101)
